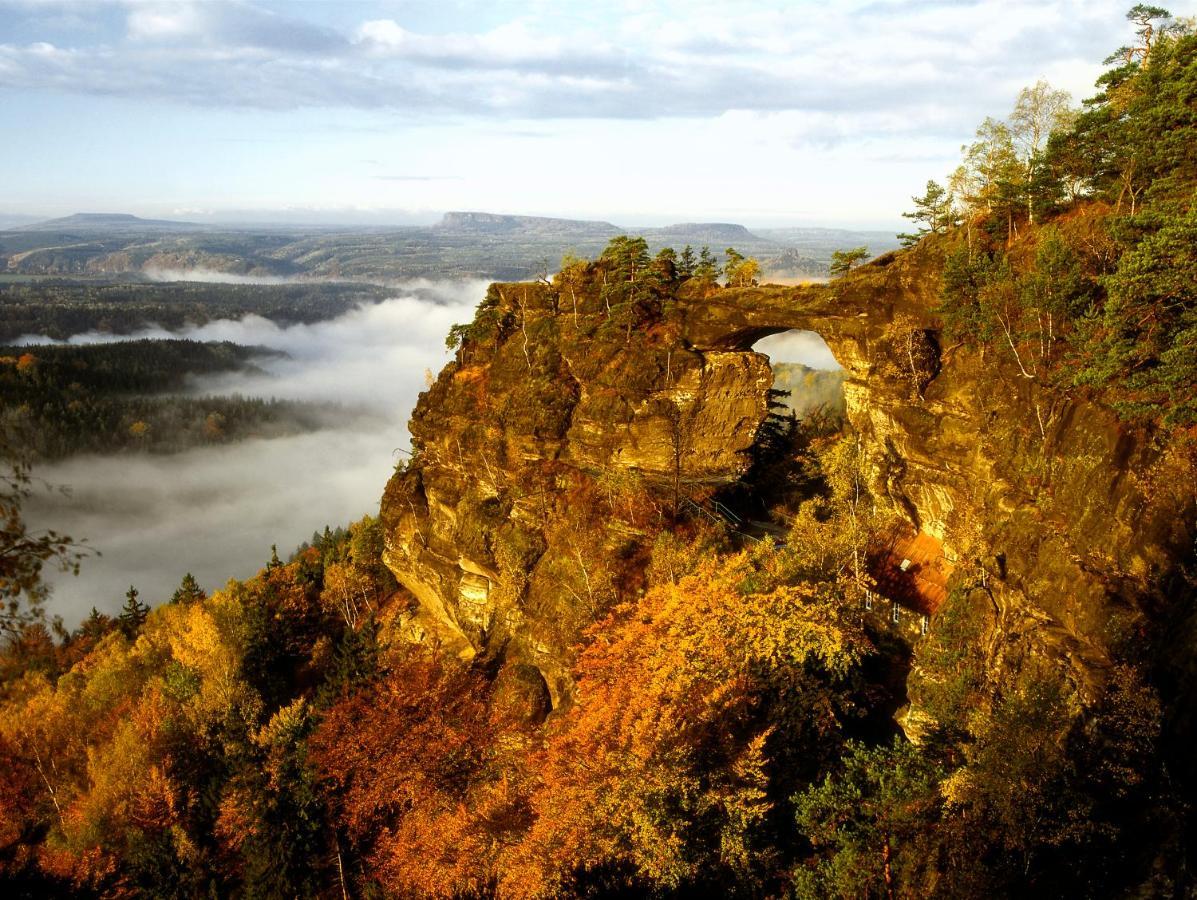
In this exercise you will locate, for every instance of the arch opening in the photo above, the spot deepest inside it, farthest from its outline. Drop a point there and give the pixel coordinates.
(806, 370)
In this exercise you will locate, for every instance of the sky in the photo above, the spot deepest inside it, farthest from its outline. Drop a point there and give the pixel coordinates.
(640, 113)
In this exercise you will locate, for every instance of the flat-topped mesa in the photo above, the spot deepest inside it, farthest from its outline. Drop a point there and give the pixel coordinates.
(572, 416)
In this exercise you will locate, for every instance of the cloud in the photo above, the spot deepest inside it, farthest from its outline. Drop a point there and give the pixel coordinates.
(215, 511)
(416, 177)
(226, 24)
(902, 66)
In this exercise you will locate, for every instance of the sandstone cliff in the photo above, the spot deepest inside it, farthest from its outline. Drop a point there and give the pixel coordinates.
(562, 430)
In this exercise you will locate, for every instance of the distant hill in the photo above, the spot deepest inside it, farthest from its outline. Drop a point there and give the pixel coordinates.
(711, 233)
(496, 223)
(821, 242)
(714, 234)
(109, 222)
(16, 220)
(464, 244)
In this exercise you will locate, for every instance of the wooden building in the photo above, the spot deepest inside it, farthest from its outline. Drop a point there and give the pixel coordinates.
(910, 574)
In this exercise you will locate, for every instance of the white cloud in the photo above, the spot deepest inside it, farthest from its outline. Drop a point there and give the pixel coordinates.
(164, 21)
(698, 60)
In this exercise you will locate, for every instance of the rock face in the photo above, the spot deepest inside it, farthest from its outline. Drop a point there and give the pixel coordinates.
(542, 452)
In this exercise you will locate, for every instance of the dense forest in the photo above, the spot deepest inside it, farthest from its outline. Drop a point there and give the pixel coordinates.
(59, 309)
(734, 727)
(57, 401)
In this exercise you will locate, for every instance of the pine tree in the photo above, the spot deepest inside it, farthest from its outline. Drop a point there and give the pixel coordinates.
(95, 626)
(188, 591)
(734, 260)
(686, 263)
(842, 261)
(933, 210)
(133, 613)
(707, 268)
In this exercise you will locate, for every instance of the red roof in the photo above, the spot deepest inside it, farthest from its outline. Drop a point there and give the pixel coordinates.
(923, 586)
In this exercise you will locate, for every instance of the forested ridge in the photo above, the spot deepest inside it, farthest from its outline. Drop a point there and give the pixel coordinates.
(60, 308)
(124, 396)
(737, 724)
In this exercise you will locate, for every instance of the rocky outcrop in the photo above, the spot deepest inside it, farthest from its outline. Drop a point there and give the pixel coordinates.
(556, 413)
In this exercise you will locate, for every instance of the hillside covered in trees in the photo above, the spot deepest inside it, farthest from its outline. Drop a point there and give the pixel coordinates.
(58, 401)
(623, 629)
(59, 308)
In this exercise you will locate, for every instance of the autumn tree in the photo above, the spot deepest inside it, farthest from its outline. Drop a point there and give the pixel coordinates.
(402, 764)
(692, 696)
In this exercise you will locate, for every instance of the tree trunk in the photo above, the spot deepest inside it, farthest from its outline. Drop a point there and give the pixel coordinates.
(886, 855)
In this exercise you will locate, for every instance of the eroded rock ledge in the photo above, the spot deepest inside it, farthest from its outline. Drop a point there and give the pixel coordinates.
(534, 444)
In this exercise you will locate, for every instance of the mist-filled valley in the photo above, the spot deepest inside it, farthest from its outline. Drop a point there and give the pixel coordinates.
(216, 510)
(531, 452)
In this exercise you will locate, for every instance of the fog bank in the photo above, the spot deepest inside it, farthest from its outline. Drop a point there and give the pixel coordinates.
(804, 347)
(216, 511)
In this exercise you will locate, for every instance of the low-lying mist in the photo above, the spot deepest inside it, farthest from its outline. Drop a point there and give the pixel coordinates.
(212, 276)
(804, 347)
(216, 511)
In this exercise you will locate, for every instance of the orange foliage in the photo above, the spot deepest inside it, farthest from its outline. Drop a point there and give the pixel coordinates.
(667, 742)
(414, 780)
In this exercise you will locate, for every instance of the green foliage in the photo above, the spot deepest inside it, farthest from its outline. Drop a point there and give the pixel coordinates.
(843, 261)
(1145, 340)
(707, 269)
(739, 270)
(932, 212)
(627, 258)
(60, 309)
(1107, 301)
(457, 336)
(965, 275)
(867, 822)
(687, 263)
(60, 400)
(949, 685)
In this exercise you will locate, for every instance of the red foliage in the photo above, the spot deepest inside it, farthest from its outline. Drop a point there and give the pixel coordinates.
(412, 777)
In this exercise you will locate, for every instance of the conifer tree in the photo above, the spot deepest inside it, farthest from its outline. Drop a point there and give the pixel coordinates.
(707, 268)
(842, 261)
(133, 613)
(188, 591)
(933, 211)
(686, 263)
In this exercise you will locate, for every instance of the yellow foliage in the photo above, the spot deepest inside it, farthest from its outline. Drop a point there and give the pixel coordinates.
(209, 638)
(668, 684)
